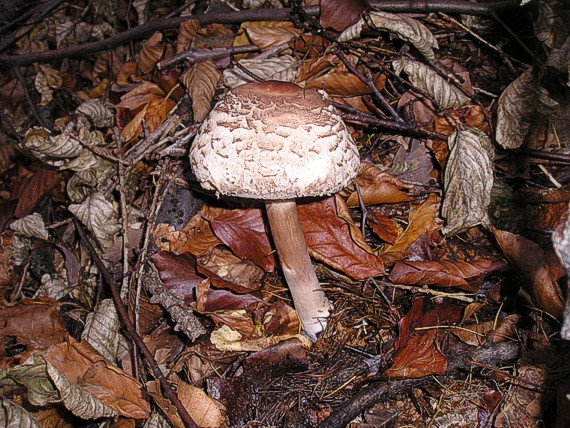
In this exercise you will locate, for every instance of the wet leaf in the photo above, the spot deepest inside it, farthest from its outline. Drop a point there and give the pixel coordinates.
(405, 28)
(468, 180)
(446, 95)
(244, 232)
(464, 275)
(539, 270)
(201, 82)
(334, 240)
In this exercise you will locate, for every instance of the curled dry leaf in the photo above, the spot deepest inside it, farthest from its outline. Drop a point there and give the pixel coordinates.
(46, 81)
(201, 82)
(377, 187)
(539, 270)
(98, 214)
(97, 112)
(282, 68)
(468, 180)
(228, 340)
(423, 77)
(31, 226)
(405, 28)
(333, 239)
(517, 105)
(14, 415)
(151, 53)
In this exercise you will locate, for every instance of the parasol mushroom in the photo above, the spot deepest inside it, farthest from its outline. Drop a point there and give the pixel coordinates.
(276, 141)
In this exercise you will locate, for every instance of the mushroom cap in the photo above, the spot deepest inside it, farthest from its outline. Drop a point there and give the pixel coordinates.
(274, 140)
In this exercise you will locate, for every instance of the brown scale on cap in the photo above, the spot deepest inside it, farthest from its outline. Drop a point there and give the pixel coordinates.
(277, 141)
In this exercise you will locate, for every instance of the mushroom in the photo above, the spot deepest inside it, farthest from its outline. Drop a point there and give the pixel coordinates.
(276, 141)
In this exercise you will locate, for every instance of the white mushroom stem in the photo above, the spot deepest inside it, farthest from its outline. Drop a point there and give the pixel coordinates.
(310, 301)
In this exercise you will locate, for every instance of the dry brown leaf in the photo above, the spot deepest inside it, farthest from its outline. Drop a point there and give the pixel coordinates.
(538, 270)
(269, 34)
(386, 228)
(422, 220)
(151, 53)
(335, 240)
(474, 334)
(339, 14)
(84, 366)
(204, 410)
(187, 32)
(377, 187)
(201, 82)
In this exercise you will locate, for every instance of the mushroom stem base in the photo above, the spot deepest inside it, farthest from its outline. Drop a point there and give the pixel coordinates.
(310, 301)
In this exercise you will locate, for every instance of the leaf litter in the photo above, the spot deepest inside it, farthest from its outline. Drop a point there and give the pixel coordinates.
(447, 255)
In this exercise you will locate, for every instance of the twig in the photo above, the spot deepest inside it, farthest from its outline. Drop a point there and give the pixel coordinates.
(449, 6)
(194, 56)
(135, 337)
(435, 293)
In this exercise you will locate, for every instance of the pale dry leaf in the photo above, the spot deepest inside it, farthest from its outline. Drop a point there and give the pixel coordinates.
(12, 415)
(269, 4)
(352, 32)
(47, 80)
(271, 33)
(561, 243)
(423, 77)
(64, 32)
(98, 214)
(468, 180)
(31, 226)
(517, 105)
(102, 331)
(97, 112)
(141, 8)
(283, 68)
(54, 286)
(229, 340)
(405, 28)
(201, 82)
(204, 410)
(151, 53)
(156, 420)
(103, 30)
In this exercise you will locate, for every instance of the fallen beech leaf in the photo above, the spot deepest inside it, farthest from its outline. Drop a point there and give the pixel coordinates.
(269, 34)
(340, 83)
(335, 240)
(281, 319)
(204, 410)
(282, 68)
(151, 53)
(178, 273)
(83, 365)
(377, 187)
(474, 334)
(385, 228)
(539, 271)
(201, 82)
(464, 275)
(422, 220)
(468, 180)
(32, 323)
(237, 320)
(47, 79)
(14, 415)
(339, 14)
(244, 232)
(187, 32)
(228, 340)
(419, 357)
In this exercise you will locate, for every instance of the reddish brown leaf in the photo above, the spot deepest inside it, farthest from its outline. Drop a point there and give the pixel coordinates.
(32, 323)
(466, 276)
(32, 188)
(340, 14)
(386, 228)
(377, 187)
(81, 364)
(539, 271)
(178, 272)
(335, 241)
(244, 232)
(419, 357)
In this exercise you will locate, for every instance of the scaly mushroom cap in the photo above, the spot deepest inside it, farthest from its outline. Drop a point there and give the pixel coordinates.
(274, 140)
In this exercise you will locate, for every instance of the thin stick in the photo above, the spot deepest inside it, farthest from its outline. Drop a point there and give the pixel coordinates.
(135, 337)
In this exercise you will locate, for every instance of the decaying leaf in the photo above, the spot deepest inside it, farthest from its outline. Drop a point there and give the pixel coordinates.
(201, 82)
(423, 77)
(282, 68)
(419, 357)
(468, 180)
(538, 269)
(13, 415)
(47, 80)
(405, 28)
(31, 226)
(102, 331)
(98, 214)
(517, 105)
(99, 114)
(226, 339)
(561, 242)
